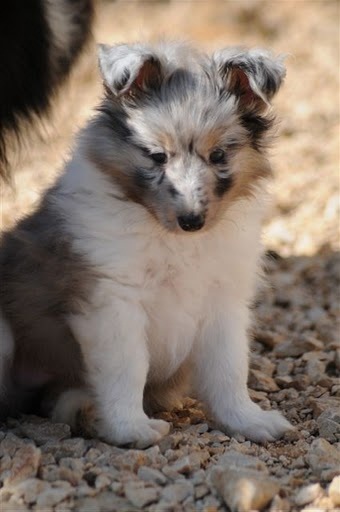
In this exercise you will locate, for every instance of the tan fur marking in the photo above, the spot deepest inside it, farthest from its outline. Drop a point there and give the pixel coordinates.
(168, 395)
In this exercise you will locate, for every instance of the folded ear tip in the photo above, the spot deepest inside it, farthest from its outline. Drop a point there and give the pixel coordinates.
(264, 70)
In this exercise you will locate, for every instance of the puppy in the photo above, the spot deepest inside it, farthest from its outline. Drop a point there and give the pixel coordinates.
(139, 267)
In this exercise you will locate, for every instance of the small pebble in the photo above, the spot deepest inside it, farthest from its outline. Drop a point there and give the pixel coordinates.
(308, 494)
(151, 475)
(178, 492)
(139, 495)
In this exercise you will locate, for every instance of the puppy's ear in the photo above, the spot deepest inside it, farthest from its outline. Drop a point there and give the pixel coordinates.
(129, 68)
(254, 76)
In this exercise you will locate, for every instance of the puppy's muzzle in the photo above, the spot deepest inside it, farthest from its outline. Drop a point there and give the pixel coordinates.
(191, 222)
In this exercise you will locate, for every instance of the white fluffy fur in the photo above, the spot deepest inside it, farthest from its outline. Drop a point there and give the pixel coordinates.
(163, 299)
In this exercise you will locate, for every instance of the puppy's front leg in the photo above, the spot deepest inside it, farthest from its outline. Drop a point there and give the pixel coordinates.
(114, 346)
(221, 369)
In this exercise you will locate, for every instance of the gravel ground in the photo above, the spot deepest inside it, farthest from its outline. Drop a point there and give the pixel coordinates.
(295, 360)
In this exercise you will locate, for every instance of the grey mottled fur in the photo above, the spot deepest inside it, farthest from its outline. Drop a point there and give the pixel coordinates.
(42, 280)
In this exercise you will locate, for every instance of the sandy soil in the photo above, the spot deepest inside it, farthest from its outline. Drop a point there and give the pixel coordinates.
(300, 308)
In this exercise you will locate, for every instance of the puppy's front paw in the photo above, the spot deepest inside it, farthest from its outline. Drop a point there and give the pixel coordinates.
(257, 425)
(138, 433)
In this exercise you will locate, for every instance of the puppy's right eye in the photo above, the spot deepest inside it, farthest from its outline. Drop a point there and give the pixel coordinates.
(159, 158)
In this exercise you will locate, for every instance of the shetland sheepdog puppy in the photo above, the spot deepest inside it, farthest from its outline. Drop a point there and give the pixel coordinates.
(135, 275)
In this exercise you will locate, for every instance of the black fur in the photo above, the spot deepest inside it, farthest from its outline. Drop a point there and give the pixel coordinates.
(114, 119)
(143, 178)
(223, 185)
(31, 71)
(257, 126)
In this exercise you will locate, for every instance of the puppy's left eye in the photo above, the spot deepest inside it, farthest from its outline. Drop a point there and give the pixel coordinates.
(217, 156)
(159, 158)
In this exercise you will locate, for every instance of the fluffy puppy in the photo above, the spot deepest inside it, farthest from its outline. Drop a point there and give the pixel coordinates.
(139, 267)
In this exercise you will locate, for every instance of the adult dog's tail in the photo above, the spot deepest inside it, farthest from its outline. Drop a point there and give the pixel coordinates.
(39, 42)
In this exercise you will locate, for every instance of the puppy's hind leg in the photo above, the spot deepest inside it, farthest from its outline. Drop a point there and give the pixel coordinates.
(76, 408)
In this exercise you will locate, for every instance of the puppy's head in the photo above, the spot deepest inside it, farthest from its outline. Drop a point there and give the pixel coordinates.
(183, 133)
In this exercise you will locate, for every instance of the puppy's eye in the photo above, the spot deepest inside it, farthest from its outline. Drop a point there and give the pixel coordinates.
(159, 158)
(217, 156)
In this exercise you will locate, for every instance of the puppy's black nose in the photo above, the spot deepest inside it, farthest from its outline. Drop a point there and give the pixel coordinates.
(191, 222)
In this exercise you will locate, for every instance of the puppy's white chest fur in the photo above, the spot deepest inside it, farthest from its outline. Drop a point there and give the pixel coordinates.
(174, 303)
(177, 280)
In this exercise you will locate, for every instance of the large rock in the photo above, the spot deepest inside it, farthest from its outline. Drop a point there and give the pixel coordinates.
(243, 490)
(242, 481)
